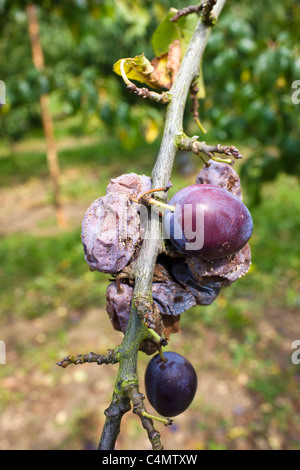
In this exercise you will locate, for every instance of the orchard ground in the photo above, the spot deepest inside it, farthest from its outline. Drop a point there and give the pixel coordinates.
(52, 305)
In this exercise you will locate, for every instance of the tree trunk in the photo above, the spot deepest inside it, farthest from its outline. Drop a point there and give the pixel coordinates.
(51, 149)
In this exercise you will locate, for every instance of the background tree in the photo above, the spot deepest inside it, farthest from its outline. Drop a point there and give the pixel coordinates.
(261, 50)
(52, 158)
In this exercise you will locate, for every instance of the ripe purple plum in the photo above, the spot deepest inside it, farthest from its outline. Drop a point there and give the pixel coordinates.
(208, 222)
(171, 385)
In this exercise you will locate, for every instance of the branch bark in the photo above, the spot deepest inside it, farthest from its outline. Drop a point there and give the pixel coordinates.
(143, 268)
(109, 358)
(119, 406)
(161, 174)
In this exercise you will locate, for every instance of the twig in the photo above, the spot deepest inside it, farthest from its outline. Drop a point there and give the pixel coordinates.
(159, 340)
(161, 98)
(137, 399)
(187, 11)
(127, 352)
(119, 406)
(207, 16)
(110, 358)
(205, 8)
(165, 421)
(208, 151)
(195, 107)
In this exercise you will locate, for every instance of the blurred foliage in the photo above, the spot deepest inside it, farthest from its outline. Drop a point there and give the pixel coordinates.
(249, 66)
(81, 41)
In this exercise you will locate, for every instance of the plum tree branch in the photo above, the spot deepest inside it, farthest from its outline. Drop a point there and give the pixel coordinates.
(119, 406)
(187, 11)
(143, 267)
(109, 358)
(208, 151)
(162, 170)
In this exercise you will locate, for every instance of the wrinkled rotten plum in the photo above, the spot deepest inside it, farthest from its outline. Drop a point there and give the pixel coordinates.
(170, 385)
(204, 278)
(204, 289)
(170, 299)
(111, 225)
(221, 175)
(130, 184)
(110, 233)
(118, 303)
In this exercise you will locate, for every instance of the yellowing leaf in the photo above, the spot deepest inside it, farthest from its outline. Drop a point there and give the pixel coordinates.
(163, 75)
(138, 68)
(167, 65)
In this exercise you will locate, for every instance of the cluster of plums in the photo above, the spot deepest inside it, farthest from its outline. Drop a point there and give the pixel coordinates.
(206, 230)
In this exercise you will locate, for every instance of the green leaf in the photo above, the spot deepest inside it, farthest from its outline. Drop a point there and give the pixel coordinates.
(168, 31)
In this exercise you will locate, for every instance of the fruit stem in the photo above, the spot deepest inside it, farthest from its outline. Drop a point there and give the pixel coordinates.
(222, 160)
(151, 200)
(161, 355)
(161, 204)
(159, 339)
(165, 421)
(199, 124)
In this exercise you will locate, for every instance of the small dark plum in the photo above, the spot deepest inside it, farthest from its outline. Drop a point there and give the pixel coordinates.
(208, 222)
(171, 384)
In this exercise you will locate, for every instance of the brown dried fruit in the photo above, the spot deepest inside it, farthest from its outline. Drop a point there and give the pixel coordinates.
(204, 290)
(171, 298)
(221, 175)
(118, 304)
(171, 325)
(228, 269)
(204, 278)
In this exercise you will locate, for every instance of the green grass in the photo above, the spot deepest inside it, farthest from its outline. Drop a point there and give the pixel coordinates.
(105, 154)
(39, 274)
